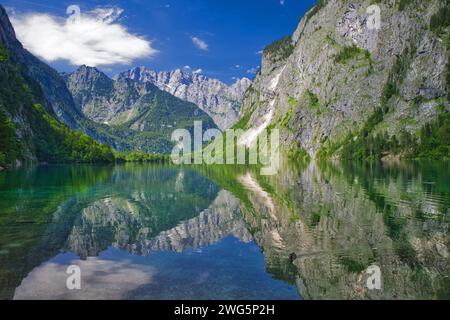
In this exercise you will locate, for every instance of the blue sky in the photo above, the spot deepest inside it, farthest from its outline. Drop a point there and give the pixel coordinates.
(221, 38)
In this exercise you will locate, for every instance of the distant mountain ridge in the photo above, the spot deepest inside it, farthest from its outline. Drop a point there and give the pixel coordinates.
(146, 116)
(127, 104)
(220, 101)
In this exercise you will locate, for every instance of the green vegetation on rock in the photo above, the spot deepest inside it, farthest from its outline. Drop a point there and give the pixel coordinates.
(62, 144)
(280, 49)
(440, 21)
(298, 154)
(3, 54)
(316, 8)
(9, 146)
(138, 156)
(312, 102)
(350, 53)
(243, 122)
(402, 4)
(431, 142)
(35, 134)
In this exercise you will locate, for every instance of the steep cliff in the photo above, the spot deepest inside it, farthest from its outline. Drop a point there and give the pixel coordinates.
(220, 101)
(343, 86)
(29, 131)
(50, 87)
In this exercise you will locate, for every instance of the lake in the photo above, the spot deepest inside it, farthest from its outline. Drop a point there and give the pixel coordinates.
(313, 231)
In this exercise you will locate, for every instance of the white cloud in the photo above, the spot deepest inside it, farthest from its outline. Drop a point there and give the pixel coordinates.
(282, 2)
(199, 43)
(107, 15)
(260, 52)
(94, 38)
(253, 70)
(198, 71)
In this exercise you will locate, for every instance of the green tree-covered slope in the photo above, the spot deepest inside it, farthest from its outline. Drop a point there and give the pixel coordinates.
(29, 132)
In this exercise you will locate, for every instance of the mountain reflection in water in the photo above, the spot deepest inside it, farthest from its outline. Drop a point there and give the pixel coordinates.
(163, 232)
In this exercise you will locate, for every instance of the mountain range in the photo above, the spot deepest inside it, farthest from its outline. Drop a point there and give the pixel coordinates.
(117, 101)
(220, 101)
(142, 115)
(145, 114)
(340, 87)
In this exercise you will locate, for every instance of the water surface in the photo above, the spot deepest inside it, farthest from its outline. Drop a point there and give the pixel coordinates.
(165, 232)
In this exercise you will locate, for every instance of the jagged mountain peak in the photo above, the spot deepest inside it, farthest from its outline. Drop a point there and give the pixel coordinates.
(220, 101)
(150, 113)
(7, 33)
(143, 74)
(87, 74)
(85, 68)
(241, 85)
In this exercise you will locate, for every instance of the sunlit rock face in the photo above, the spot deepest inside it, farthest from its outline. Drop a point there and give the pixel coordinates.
(148, 113)
(331, 226)
(326, 80)
(220, 101)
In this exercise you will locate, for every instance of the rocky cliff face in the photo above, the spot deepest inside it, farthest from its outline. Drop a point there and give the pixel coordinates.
(148, 113)
(324, 83)
(90, 89)
(220, 101)
(59, 100)
(49, 88)
(32, 97)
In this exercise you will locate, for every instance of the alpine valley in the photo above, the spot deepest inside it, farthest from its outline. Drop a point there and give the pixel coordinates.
(336, 89)
(87, 106)
(360, 205)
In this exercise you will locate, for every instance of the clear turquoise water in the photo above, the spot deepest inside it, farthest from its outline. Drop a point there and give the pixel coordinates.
(164, 232)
